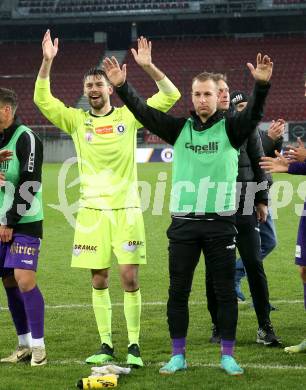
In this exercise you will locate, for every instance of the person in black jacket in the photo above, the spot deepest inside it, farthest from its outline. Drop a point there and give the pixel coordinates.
(271, 140)
(252, 200)
(205, 166)
(21, 217)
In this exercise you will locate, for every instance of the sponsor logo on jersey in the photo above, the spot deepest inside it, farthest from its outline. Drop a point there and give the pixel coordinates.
(211, 147)
(88, 122)
(298, 251)
(89, 136)
(131, 246)
(30, 262)
(120, 128)
(78, 248)
(22, 249)
(31, 162)
(104, 130)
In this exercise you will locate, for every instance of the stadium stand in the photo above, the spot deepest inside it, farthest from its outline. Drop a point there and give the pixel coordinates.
(89, 6)
(288, 2)
(22, 61)
(181, 59)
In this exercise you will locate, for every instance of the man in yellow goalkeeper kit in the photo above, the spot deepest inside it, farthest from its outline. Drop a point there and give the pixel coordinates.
(109, 217)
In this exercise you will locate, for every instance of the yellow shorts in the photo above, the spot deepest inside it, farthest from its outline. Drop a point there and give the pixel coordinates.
(98, 232)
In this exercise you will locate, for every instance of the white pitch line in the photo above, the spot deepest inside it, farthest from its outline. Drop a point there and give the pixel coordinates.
(157, 303)
(195, 364)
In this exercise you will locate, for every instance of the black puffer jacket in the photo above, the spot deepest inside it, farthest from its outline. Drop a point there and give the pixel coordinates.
(269, 147)
(249, 170)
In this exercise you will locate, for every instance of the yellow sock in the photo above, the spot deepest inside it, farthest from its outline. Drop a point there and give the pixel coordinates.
(103, 312)
(132, 311)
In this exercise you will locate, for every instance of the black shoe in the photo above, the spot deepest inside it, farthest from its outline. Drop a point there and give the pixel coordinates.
(266, 336)
(106, 354)
(215, 335)
(133, 357)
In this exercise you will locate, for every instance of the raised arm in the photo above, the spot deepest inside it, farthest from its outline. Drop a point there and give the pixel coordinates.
(165, 126)
(168, 94)
(52, 108)
(241, 124)
(143, 57)
(50, 50)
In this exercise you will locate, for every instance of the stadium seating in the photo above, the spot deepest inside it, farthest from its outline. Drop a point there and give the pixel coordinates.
(19, 65)
(181, 59)
(288, 2)
(89, 6)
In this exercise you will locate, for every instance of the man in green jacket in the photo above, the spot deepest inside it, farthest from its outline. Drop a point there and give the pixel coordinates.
(205, 167)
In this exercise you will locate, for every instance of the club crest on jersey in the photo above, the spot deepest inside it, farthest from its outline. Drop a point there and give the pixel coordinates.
(120, 128)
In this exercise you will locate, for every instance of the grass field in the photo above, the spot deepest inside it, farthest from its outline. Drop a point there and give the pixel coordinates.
(71, 333)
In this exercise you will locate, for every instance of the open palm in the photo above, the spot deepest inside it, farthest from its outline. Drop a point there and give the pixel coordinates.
(49, 48)
(143, 55)
(114, 73)
(263, 70)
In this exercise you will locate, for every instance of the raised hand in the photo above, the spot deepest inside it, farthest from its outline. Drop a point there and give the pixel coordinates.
(278, 164)
(143, 55)
(49, 48)
(5, 155)
(296, 153)
(263, 70)
(276, 129)
(114, 73)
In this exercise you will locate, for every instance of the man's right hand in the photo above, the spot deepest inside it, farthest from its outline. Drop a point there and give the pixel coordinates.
(49, 48)
(114, 73)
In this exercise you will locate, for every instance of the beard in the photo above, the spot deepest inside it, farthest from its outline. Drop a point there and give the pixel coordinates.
(97, 104)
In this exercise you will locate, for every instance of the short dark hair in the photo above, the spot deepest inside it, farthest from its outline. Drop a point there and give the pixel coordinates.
(8, 96)
(219, 76)
(96, 72)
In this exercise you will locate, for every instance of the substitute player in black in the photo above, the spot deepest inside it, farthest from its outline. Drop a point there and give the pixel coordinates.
(252, 209)
(272, 140)
(202, 198)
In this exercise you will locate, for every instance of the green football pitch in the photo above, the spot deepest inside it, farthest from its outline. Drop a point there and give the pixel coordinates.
(70, 329)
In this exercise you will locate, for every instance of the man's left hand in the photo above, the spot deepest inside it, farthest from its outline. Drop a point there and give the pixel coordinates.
(263, 71)
(143, 55)
(6, 233)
